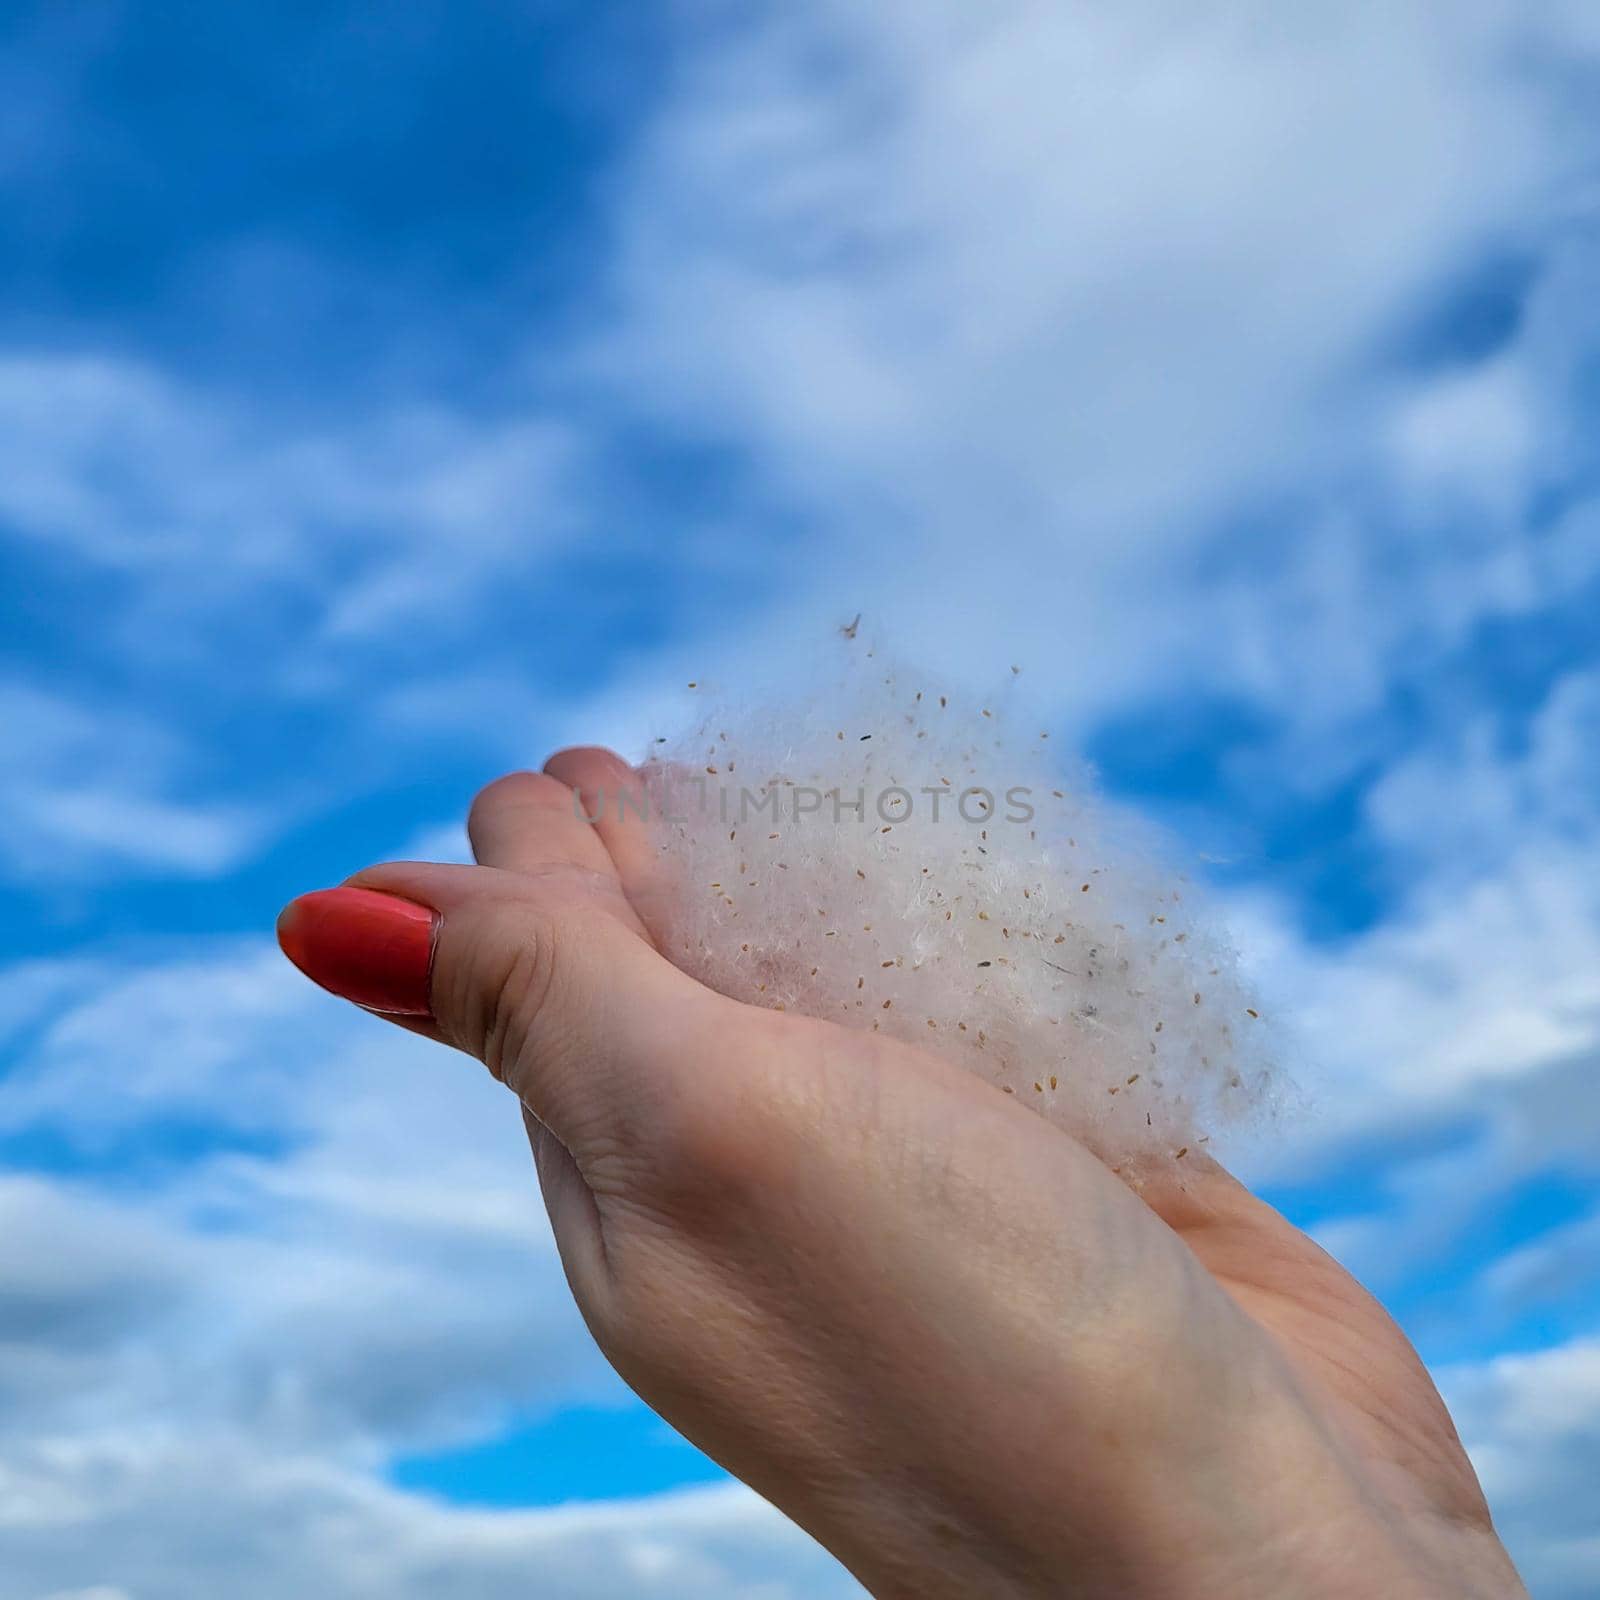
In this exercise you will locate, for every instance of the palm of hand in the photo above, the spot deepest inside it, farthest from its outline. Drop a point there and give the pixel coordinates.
(928, 1325)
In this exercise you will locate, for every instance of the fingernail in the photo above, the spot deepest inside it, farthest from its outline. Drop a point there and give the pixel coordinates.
(375, 949)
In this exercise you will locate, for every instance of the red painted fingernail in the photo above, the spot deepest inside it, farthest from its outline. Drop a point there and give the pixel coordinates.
(375, 949)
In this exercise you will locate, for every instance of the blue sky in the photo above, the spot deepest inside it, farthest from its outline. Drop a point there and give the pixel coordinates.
(390, 395)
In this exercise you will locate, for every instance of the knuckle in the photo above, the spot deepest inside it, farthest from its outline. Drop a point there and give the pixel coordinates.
(506, 985)
(600, 780)
(514, 1006)
(511, 792)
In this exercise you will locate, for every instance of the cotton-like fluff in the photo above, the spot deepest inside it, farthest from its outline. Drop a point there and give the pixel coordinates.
(895, 856)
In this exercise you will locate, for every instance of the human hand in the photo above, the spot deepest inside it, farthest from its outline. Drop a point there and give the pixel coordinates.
(924, 1322)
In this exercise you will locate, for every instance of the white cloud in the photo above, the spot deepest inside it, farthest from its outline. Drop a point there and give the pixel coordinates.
(1532, 1426)
(1484, 974)
(1483, 788)
(1465, 442)
(124, 1510)
(221, 1036)
(207, 507)
(258, 1333)
(1020, 304)
(1563, 1261)
(1022, 312)
(350, 1174)
(1453, 1047)
(93, 789)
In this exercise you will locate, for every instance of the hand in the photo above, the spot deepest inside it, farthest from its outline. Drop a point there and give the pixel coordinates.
(930, 1327)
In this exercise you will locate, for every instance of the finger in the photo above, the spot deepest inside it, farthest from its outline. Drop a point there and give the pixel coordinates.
(613, 797)
(544, 978)
(528, 820)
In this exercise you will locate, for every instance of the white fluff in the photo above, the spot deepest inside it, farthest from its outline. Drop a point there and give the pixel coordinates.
(1052, 956)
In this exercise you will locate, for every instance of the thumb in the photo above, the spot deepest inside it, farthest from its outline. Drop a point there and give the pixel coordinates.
(544, 977)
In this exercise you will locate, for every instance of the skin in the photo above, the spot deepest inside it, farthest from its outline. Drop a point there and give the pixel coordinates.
(928, 1325)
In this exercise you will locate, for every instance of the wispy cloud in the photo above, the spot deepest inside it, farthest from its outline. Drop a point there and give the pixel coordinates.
(1232, 372)
(1532, 1424)
(93, 788)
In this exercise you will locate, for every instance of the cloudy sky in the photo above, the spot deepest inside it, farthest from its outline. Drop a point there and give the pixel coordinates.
(390, 394)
